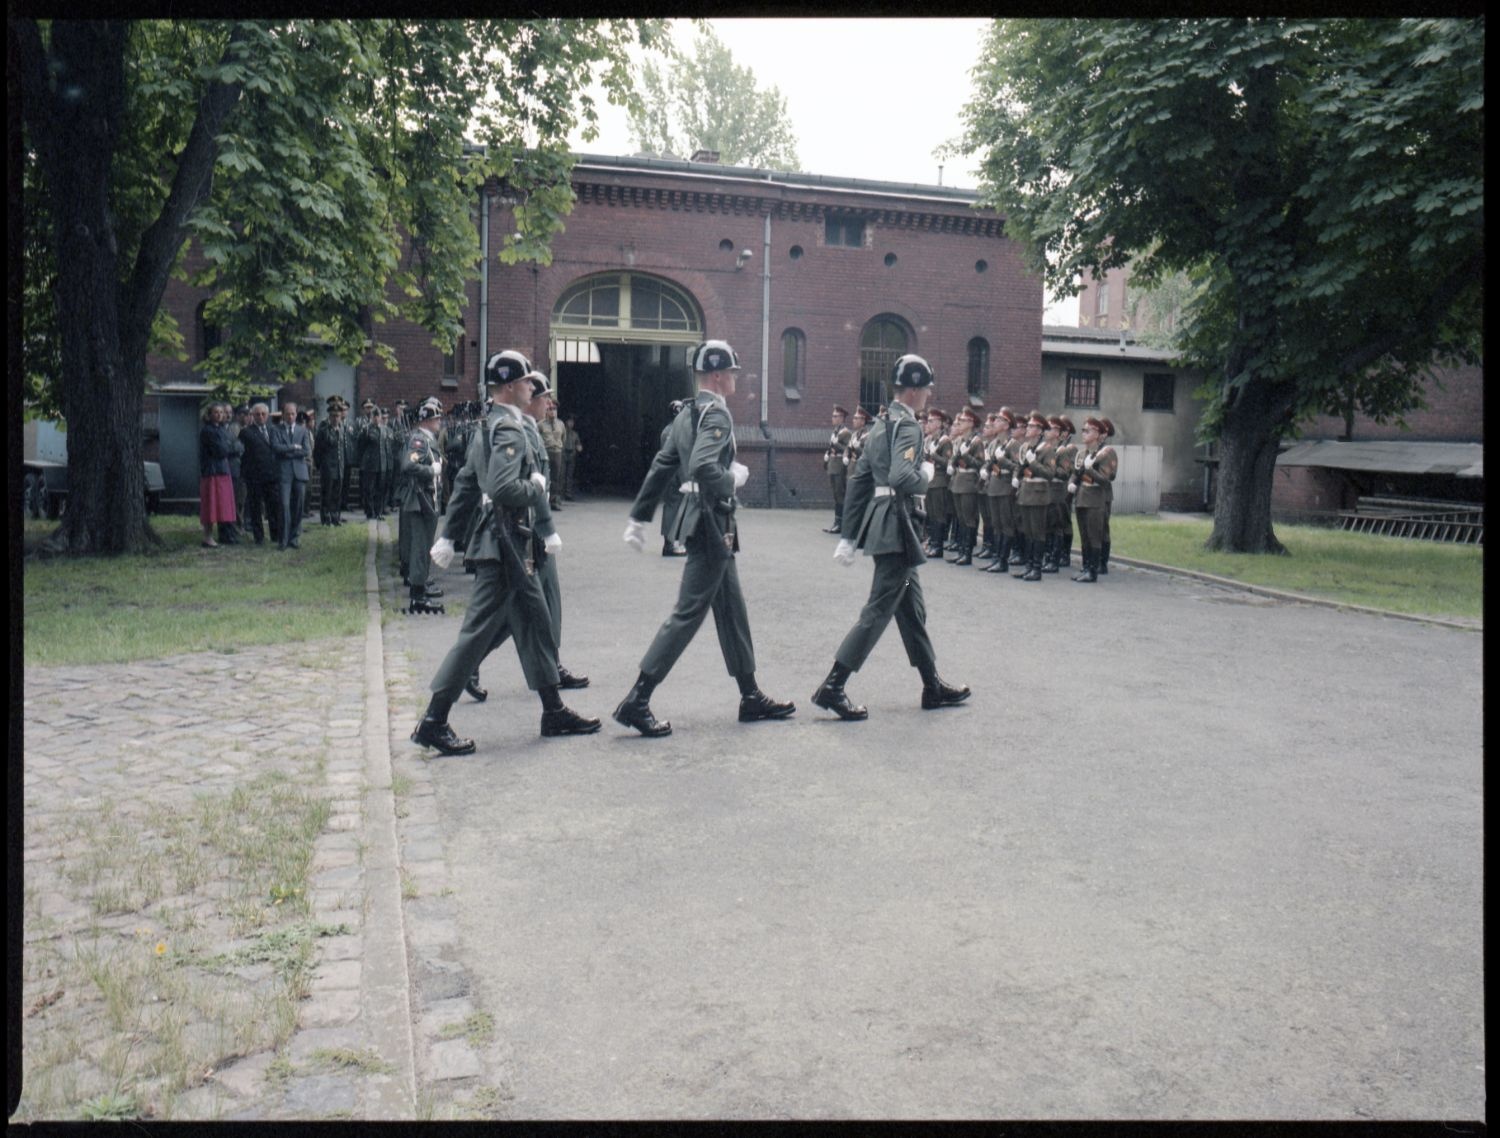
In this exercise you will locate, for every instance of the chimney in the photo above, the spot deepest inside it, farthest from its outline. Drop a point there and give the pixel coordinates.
(709, 156)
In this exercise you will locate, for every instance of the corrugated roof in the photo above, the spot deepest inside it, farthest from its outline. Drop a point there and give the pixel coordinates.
(1393, 456)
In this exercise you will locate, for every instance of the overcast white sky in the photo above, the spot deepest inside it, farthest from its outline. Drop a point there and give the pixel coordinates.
(868, 98)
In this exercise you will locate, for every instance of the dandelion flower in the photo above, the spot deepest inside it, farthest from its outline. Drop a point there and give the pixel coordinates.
(161, 948)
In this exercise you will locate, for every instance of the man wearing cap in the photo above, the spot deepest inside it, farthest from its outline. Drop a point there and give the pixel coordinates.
(420, 478)
(554, 437)
(878, 518)
(1057, 494)
(963, 484)
(328, 454)
(1031, 482)
(374, 462)
(354, 430)
(700, 450)
(506, 550)
(1092, 475)
(1065, 457)
(400, 427)
(993, 486)
(836, 463)
(937, 449)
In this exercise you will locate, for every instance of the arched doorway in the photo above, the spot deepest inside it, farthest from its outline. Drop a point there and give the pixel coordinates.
(884, 340)
(619, 351)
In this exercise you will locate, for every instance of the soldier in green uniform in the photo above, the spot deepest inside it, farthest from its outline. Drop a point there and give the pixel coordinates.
(1057, 493)
(992, 486)
(878, 518)
(1109, 501)
(963, 484)
(400, 426)
(419, 490)
(937, 448)
(700, 451)
(1095, 470)
(836, 464)
(572, 448)
(1031, 483)
(506, 550)
(328, 456)
(1062, 554)
(554, 437)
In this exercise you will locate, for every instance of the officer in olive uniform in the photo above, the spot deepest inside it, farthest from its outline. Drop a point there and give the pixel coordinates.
(937, 448)
(506, 549)
(836, 463)
(420, 481)
(328, 456)
(963, 482)
(1031, 483)
(671, 498)
(700, 451)
(1066, 456)
(1092, 475)
(878, 517)
(1057, 493)
(991, 484)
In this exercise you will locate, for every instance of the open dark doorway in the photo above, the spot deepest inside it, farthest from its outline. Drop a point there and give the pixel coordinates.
(620, 406)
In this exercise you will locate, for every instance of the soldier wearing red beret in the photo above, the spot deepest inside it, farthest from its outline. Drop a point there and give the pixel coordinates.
(1095, 471)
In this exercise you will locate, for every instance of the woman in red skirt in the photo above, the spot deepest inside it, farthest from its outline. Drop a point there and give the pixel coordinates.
(215, 487)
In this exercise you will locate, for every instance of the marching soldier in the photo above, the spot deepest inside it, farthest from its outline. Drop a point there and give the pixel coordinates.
(1092, 477)
(701, 452)
(1031, 483)
(507, 593)
(963, 484)
(937, 448)
(878, 518)
(836, 463)
(421, 482)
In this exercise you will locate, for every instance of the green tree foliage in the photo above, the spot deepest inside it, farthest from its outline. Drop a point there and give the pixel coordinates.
(313, 162)
(705, 101)
(1320, 183)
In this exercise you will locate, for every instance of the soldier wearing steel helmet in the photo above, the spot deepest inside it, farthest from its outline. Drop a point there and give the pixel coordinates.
(700, 451)
(506, 489)
(881, 516)
(419, 491)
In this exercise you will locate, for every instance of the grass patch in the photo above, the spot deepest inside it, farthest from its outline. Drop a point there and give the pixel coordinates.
(1421, 578)
(184, 598)
(478, 1029)
(366, 1060)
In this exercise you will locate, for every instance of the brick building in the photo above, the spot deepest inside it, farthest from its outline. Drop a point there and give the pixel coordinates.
(819, 283)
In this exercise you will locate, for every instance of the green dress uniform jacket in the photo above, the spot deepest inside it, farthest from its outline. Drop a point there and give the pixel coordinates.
(417, 493)
(699, 450)
(877, 517)
(507, 599)
(1036, 476)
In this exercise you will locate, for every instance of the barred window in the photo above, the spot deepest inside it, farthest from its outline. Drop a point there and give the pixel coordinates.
(845, 231)
(1157, 391)
(1083, 388)
(979, 368)
(881, 344)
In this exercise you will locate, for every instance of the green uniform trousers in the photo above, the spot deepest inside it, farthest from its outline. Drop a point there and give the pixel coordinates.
(709, 581)
(495, 612)
(895, 591)
(418, 532)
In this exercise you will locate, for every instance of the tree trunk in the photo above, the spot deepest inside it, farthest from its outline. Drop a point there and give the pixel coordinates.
(1247, 469)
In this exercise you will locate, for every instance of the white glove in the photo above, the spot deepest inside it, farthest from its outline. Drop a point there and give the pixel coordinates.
(437, 467)
(485, 499)
(984, 475)
(741, 474)
(1088, 461)
(928, 470)
(950, 470)
(442, 553)
(635, 534)
(1015, 482)
(1072, 487)
(552, 542)
(846, 460)
(540, 479)
(844, 554)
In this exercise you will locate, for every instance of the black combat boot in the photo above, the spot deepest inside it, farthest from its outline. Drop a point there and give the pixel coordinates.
(471, 685)
(1033, 562)
(1087, 575)
(434, 731)
(635, 710)
(1002, 557)
(1023, 564)
(432, 590)
(418, 601)
(558, 719)
(832, 697)
(1065, 551)
(1102, 568)
(966, 547)
(756, 704)
(566, 679)
(1049, 554)
(936, 693)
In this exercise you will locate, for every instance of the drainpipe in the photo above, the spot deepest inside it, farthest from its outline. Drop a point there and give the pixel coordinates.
(765, 360)
(484, 284)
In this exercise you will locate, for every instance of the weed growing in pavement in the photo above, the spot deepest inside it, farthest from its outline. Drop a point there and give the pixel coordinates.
(478, 1029)
(486, 1102)
(409, 891)
(366, 1059)
(110, 1107)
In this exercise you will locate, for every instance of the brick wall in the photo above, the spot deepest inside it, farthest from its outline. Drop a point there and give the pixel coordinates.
(1455, 413)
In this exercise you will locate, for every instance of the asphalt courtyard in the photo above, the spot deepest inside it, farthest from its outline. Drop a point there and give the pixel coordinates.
(1187, 853)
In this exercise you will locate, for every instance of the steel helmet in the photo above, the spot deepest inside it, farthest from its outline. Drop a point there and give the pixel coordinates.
(505, 367)
(715, 355)
(911, 371)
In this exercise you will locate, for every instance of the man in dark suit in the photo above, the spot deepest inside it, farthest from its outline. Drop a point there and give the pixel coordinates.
(258, 471)
(293, 447)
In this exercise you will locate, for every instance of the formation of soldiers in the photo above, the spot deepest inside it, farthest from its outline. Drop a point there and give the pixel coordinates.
(1004, 490)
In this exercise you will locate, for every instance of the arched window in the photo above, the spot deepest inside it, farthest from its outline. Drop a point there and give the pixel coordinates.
(627, 301)
(793, 362)
(881, 344)
(979, 368)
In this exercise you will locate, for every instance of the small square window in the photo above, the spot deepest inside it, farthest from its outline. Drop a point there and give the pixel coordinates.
(845, 231)
(1083, 388)
(1157, 391)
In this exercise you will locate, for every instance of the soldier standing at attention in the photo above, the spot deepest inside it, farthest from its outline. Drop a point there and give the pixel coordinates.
(507, 593)
(859, 429)
(990, 482)
(328, 454)
(701, 452)
(1066, 457)
(1057, 494)
(1109, 502)
(1092, 475)
(421, 481)
(1031, 483)
(554, 438)
(836, 463)
(878, 519)
(963, 474)
(938, 450)
(572, 448)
